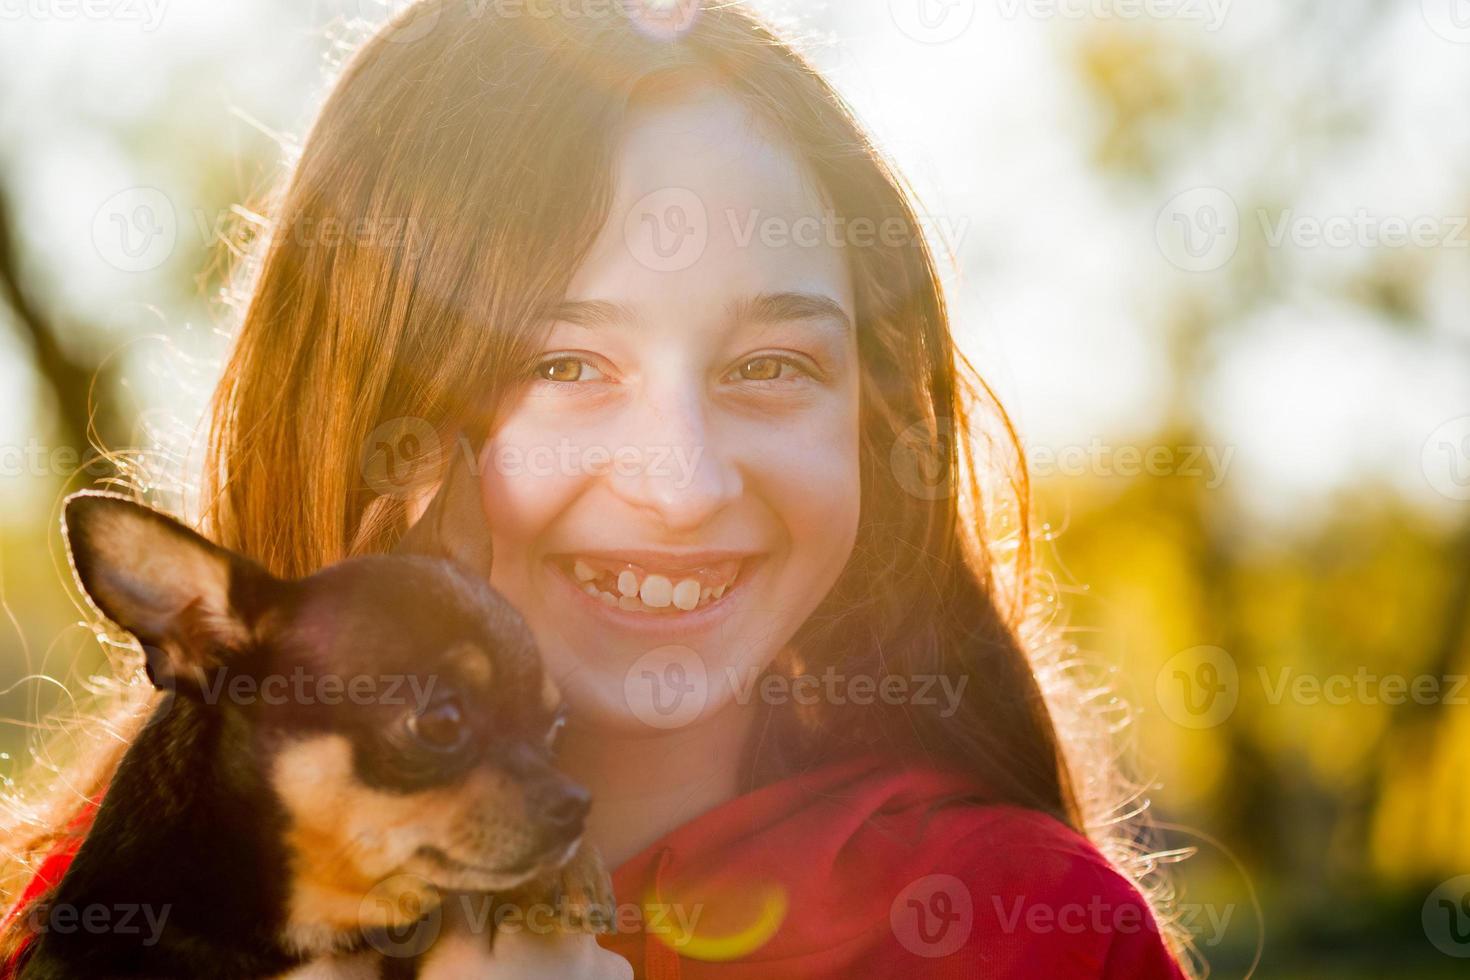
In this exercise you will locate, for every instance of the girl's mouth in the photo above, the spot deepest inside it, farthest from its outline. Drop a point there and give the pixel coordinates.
(648, 586)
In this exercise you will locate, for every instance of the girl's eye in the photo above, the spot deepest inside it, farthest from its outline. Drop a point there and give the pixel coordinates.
(567, 370)
(766, 368)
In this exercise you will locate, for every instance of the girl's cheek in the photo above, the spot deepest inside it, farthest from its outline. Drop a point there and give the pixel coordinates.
(530, 475)
(809, 474)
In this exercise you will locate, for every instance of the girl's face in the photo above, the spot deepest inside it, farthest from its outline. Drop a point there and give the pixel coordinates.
(676, 488)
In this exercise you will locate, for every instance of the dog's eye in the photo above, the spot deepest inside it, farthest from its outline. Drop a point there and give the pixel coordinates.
(440, 726)
(554, 732)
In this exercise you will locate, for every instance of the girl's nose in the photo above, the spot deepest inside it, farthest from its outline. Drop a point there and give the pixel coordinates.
(684, 476)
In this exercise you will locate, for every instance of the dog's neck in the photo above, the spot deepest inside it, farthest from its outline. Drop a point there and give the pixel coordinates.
(189, 833)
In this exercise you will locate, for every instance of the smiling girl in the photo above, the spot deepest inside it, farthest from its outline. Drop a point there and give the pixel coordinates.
(662, 285)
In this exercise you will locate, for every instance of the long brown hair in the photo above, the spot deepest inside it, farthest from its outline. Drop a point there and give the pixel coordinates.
(454, 179)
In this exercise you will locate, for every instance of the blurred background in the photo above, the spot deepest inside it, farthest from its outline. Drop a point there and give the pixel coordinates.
(1213, 255)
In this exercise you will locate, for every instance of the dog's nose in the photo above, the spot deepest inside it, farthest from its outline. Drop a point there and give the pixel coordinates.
(561, 809)
(570, 811)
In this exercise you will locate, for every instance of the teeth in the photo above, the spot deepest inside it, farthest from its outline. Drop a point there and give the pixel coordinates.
(637, 590)
(628, 583)
(657, 591)
(686, 594)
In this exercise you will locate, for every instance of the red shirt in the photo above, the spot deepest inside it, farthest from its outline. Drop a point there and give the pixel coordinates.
(864, 870)
(867, 870)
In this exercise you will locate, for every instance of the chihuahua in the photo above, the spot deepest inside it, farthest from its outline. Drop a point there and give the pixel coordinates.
(330, 760)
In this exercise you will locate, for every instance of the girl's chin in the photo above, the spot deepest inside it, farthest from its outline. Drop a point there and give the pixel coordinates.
(603, 703)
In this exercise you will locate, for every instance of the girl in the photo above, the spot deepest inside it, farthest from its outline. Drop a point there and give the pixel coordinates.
(650, 269)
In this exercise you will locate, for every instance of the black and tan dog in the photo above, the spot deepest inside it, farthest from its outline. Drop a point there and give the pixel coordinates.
(331, 758)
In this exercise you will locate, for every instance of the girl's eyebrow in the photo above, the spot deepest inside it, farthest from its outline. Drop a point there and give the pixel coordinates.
(592, 313)
(762, 308)
(786, 307)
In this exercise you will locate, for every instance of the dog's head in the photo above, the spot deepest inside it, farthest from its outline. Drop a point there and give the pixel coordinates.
(395, 704)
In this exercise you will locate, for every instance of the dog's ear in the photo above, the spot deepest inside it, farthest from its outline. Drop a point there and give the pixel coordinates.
(454, 524)
(184, 598)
